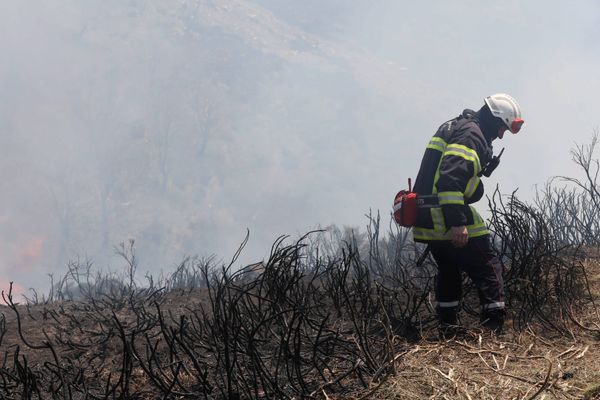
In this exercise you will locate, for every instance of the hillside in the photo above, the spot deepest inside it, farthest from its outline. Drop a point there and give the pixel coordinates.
(293, 327)
(165, 117)
(143, 140)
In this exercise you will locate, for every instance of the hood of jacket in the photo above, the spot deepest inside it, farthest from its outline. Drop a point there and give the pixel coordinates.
(488, 124)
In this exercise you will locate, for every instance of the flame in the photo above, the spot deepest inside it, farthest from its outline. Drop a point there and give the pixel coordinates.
(30, 253)
(17, 290)
(21, 260)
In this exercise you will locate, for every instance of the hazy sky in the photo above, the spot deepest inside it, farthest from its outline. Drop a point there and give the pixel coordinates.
(305, 114)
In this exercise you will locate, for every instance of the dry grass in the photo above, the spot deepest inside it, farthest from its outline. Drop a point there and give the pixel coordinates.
(479, 366)
(526, 365)
(523, 366)
(517, 365)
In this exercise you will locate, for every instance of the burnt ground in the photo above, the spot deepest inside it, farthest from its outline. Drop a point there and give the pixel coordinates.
(90, 348)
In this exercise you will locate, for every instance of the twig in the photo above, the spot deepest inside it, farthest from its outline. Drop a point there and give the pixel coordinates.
(545, 384)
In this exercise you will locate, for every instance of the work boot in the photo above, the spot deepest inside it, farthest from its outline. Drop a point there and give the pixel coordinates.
(493, 320)
(448, 332)
(449, 327)
(447, 315)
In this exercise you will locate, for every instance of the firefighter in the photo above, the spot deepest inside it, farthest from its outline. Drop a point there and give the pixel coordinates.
(447, 184)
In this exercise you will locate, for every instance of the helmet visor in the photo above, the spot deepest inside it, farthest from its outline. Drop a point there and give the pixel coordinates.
(515, 126)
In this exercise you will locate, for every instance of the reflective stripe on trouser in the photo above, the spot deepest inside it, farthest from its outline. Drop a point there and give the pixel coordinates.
(480, 263)
(447, 304)
(493, 306)
(440, 232)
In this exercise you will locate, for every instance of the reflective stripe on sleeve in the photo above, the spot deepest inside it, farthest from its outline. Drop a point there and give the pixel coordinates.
(464, 152)
(472, 186)
(451, 198)
(438, 144)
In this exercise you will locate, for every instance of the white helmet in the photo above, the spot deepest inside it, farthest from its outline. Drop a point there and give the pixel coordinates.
(507, 109)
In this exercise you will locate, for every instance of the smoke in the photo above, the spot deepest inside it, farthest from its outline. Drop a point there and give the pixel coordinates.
(29, 254)
(181, 125)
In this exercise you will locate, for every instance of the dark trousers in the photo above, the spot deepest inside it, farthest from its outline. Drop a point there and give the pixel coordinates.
(479, 261)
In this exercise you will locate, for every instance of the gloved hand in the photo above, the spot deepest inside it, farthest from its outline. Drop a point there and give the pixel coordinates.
(460, 236)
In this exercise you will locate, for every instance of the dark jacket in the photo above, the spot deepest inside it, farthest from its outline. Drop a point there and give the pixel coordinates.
(449, 171)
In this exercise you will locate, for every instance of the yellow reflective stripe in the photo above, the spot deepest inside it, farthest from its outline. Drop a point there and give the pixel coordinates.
(436, 178)
(456, 193)
(437, 216)
(436, 147)
(464, 152)
(432, 234)
(440, 232)
(462, 148)
(472, 186)
(451, 198)
(458, 150)
(477, 220)
(467, 157)
(438, 140)
(479, 231)
(437, 175)
(438, 144)
(479, 227)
